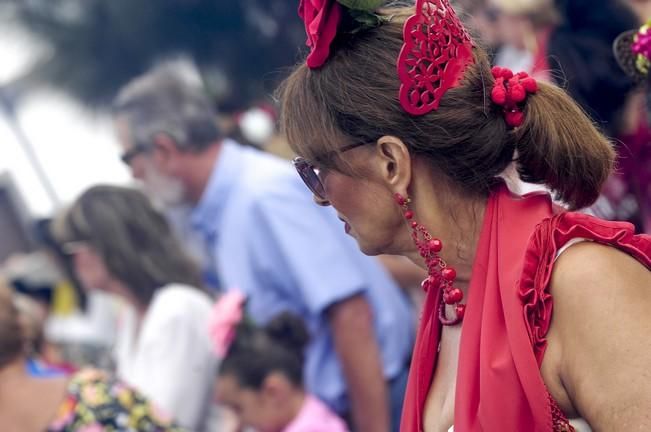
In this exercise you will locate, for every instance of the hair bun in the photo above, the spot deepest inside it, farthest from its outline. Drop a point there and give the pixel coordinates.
(290, 331)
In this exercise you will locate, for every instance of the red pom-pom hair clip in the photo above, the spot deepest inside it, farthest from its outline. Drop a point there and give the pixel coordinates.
(435, 54)
(510, 91)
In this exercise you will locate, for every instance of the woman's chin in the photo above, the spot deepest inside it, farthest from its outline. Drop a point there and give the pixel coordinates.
(370, 249)
(371, 245)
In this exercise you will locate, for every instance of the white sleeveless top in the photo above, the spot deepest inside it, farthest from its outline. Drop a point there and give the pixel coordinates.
(567, 245)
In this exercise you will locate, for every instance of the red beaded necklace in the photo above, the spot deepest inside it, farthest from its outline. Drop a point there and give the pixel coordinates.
(441, 276)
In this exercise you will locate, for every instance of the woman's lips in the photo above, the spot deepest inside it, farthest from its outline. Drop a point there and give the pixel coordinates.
(346, 226)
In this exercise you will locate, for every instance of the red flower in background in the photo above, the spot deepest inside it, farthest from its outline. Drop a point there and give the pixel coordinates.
(321, 18)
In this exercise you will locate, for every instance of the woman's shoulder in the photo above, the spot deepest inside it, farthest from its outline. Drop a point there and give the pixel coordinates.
(592, 271)
(175, 301)
(602, 295)
(181, 292)
(595, 259)
(97, 401)
(610, 260)
(174, 311)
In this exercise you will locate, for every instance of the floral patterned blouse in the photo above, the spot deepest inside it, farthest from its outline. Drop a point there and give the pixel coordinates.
(95, 402)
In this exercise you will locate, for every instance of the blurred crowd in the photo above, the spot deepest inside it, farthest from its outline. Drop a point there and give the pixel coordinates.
(121, 316)
(570, 43)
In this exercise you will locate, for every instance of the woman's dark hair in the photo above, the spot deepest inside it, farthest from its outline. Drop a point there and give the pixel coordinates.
(134, 240)
(256, 351)
(11, 333)
(353, 98)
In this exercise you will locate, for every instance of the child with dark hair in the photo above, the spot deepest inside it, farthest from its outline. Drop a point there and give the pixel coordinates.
(261, 374)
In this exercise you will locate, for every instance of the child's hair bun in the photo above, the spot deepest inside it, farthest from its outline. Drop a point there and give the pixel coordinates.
(258, 351)
(290, 331)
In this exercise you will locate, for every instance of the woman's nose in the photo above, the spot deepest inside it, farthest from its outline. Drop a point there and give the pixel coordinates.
(321, 201)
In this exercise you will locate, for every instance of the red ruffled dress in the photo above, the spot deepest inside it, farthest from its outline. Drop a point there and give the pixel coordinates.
(509, 310)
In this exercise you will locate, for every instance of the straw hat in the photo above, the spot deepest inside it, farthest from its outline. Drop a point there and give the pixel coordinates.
(627, 59)
(524, 7)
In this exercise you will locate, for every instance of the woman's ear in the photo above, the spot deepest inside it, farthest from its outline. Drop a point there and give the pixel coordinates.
(395, 164)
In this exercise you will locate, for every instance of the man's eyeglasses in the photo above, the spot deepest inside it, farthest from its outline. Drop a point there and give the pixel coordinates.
(128, 155)
(310, 174)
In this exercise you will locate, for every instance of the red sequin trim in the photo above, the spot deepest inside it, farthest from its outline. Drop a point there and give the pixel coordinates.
(559, 420)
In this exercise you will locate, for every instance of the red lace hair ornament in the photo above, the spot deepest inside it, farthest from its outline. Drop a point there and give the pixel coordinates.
(510, 91)
(435, 54)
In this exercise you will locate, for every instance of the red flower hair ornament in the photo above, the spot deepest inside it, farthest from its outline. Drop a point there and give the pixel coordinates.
(321, 18)
(436, 51)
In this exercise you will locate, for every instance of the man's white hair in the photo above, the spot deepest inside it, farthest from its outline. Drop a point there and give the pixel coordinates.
(171, 98)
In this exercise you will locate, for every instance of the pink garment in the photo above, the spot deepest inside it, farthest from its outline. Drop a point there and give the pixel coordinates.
(315, 416)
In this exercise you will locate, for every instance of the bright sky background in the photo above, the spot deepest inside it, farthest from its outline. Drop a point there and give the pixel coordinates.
(77, 148)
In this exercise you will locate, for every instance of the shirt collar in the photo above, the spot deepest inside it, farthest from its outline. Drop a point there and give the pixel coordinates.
(210, 209)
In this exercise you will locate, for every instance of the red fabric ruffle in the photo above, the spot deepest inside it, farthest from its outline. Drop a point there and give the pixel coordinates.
(550, 236)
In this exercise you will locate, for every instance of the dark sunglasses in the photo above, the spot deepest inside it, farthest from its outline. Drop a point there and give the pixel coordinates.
(310, 174)
(128, 155)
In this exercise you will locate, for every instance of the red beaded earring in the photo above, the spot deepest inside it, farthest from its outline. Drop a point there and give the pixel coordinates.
(440, 275)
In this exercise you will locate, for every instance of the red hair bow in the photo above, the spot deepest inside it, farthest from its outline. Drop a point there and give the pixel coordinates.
(509, 91)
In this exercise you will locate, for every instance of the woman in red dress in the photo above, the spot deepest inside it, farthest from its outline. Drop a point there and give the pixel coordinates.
(534, 314)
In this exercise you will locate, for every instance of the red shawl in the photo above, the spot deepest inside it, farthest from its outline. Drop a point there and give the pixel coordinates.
(499, 385)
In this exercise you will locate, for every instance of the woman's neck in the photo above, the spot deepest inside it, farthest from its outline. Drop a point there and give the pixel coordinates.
(457, 222)
(118, 288)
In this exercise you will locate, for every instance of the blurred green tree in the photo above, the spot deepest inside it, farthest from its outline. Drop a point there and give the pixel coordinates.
(242, 47)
